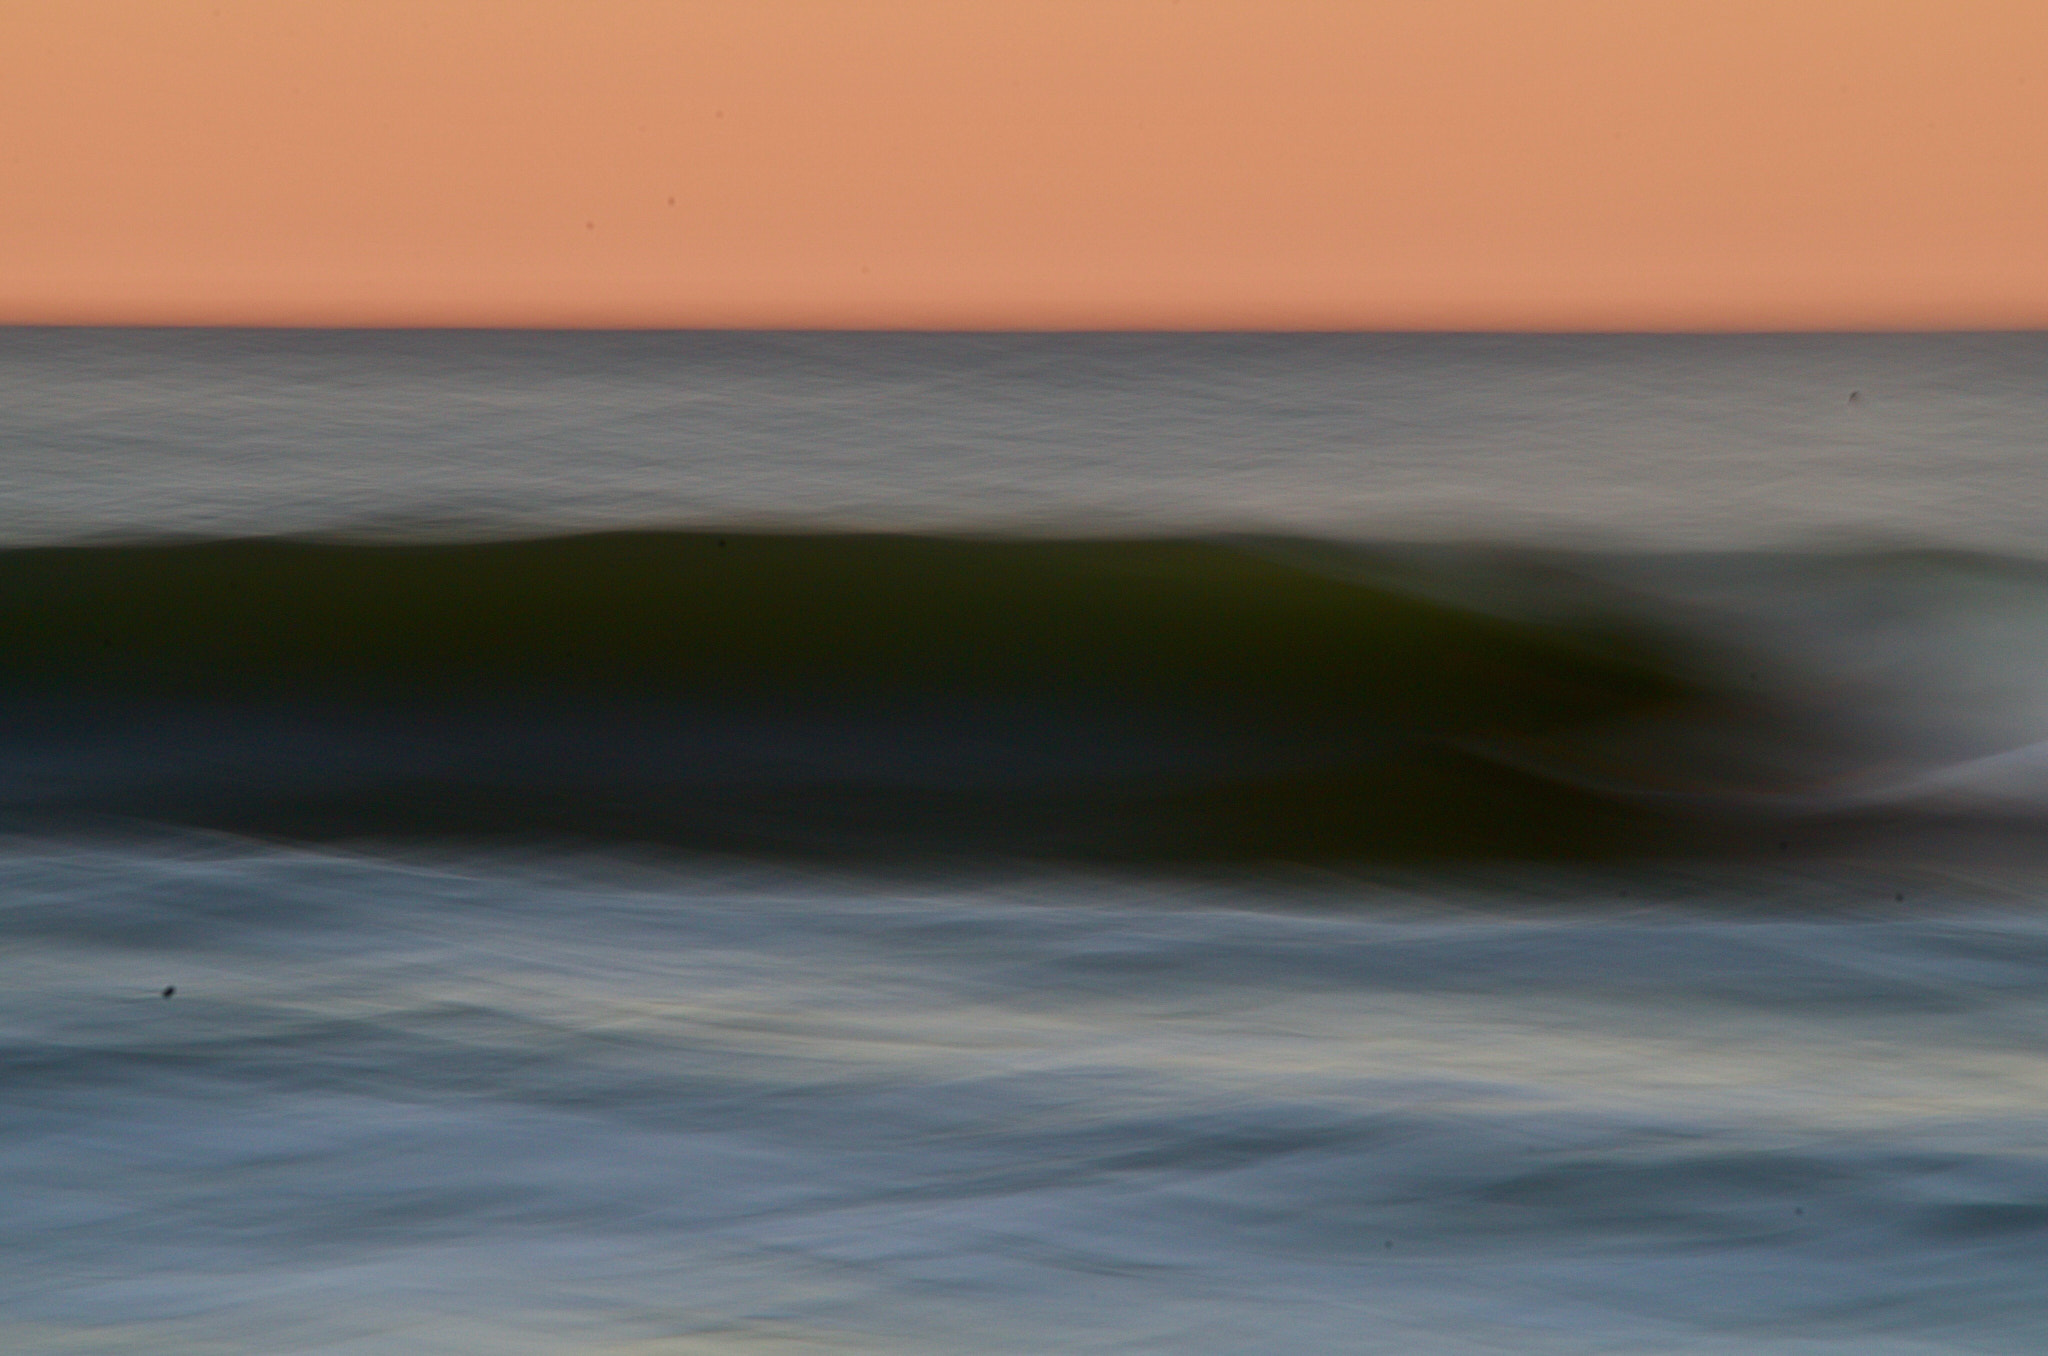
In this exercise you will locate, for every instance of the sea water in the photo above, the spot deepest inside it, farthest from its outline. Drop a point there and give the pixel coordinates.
(825, 997)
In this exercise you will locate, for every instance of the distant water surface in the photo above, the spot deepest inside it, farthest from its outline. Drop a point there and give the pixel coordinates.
(1658, 442)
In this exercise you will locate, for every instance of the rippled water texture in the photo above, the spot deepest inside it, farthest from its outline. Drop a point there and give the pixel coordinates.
(458, 946)
(1666, 442)
(459, 1107)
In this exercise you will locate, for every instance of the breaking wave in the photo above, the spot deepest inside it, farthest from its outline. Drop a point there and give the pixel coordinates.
(1135, 699)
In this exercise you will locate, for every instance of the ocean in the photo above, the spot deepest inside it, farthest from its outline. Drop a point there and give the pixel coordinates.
(666, 844)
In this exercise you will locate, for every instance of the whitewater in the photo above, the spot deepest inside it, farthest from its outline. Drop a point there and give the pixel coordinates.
(652, 843)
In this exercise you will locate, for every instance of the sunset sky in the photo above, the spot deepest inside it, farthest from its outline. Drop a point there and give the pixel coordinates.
(1442, 164)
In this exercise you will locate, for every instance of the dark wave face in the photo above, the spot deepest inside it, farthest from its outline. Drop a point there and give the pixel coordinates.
(1135, 699)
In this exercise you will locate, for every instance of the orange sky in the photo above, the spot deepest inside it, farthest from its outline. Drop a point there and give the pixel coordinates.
(1559, 164)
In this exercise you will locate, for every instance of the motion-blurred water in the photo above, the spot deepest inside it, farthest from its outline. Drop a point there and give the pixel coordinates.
(1659, 443)
(436, 1094)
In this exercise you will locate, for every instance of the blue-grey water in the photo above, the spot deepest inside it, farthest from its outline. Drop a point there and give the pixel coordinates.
(436, 1093)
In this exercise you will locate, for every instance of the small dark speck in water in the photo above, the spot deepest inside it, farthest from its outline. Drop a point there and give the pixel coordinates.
(1855, 397)
(169, 989)
(1798, 1209)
